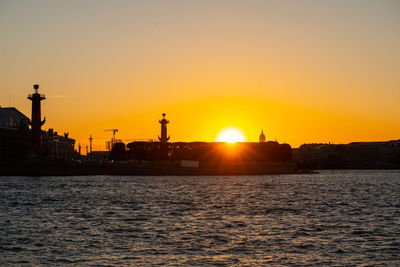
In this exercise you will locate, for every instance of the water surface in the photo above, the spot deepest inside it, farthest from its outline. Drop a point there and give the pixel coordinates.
(335, 218)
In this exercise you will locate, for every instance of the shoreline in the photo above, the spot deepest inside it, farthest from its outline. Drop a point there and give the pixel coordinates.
(152, 168)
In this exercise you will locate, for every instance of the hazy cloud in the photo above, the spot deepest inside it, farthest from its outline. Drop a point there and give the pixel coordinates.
(57, 96)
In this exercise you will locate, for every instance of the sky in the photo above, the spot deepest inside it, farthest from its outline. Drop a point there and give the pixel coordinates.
(303, 71)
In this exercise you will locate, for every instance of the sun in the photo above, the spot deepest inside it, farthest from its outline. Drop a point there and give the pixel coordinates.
(230, 135)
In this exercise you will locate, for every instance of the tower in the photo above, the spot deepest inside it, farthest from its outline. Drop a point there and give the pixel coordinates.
(163, 122)
(36, 121)
(90, 141)
(262, 137)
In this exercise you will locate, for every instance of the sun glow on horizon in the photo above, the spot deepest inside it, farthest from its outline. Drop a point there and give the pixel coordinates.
(230, 135)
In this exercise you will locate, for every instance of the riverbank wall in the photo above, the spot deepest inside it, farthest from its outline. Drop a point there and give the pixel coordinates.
(149, 168)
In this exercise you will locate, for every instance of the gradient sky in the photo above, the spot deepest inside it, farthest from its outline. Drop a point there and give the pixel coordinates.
(304, 71)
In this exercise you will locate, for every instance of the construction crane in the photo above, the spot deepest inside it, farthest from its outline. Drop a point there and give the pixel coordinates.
(112, 130)
(110, 144)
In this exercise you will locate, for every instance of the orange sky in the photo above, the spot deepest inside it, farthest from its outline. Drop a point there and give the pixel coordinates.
(304, 71)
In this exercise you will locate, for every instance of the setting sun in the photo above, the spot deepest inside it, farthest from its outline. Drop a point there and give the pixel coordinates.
(230, 135)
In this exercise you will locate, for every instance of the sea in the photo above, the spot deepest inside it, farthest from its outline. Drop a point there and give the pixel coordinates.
(330, 218)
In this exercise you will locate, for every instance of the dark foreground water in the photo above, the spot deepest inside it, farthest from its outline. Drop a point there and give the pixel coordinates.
(332, 218)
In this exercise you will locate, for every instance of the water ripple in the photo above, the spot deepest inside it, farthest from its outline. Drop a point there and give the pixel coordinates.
(332, 218)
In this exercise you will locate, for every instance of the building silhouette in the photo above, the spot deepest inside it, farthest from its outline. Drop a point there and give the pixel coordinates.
(15, 137)
(210, 152)
(55, 146)
(361, 155)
